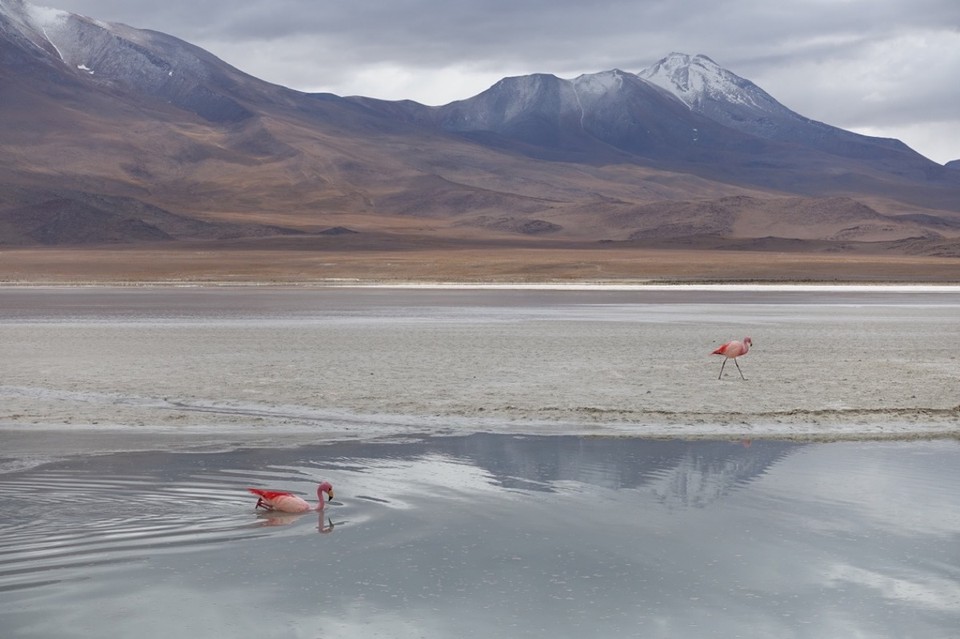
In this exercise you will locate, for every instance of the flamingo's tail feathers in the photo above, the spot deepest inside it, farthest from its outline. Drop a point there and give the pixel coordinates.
(720, 351)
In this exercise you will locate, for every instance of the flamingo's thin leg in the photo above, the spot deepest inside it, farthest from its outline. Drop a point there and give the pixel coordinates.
(721, 368)
(738, 368)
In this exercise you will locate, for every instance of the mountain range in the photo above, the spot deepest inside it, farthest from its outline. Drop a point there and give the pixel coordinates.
(117, 135)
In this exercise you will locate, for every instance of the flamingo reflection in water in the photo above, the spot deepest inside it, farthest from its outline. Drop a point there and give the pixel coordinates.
(278, 518)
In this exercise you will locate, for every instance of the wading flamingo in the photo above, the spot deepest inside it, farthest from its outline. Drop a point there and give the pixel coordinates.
(733, 350)
(288, 502)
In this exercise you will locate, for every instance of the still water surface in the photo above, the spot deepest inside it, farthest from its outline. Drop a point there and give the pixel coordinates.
(490, 535)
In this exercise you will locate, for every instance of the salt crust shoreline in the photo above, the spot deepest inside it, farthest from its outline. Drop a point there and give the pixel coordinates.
(612, 286)
(231, 425)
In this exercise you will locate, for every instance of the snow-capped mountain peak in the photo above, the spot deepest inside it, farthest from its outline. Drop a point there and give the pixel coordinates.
(696, 79)
(147, 63)
(44, 18)
(34, 16)
(38, 25)
(63, 35)
(598, 83)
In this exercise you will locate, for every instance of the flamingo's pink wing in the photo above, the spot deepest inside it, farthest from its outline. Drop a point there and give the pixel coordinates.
(722, 350)
(731, 349)
(270, 495)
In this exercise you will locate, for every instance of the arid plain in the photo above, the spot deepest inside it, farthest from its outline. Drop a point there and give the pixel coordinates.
(352, 261)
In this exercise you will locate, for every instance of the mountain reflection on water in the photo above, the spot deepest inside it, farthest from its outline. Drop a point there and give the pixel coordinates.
(520, 536)
(685, 473)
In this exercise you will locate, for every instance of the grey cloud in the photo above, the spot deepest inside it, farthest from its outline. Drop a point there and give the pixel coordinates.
(537, 31)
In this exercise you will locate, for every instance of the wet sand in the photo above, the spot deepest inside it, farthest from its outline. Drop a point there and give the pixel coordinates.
(292, 365)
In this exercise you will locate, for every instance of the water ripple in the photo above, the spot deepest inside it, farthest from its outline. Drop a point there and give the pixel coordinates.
(63, 523)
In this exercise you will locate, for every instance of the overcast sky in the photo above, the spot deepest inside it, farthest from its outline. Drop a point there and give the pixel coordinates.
(880, 67)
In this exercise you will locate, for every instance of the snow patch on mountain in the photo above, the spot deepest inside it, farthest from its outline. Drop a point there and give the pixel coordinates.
(84, 43)
(43, 18)
(597, 84)
(51, 30)
(695, 79)
(590, 87)
(48, 22)
(18, 22)
(146, 63)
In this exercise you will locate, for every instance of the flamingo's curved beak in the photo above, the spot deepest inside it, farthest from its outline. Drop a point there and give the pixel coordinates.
(330, 495)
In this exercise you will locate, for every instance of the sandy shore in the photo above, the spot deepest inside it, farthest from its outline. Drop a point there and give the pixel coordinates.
(277, 365)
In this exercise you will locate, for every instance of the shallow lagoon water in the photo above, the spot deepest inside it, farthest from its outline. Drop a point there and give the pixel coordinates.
(483, 535)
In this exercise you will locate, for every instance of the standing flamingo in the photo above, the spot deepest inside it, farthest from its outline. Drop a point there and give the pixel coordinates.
(288, 502)
(733, 350)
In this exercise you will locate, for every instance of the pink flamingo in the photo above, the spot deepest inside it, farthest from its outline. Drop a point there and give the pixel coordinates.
(278, 500)
(733, 350)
